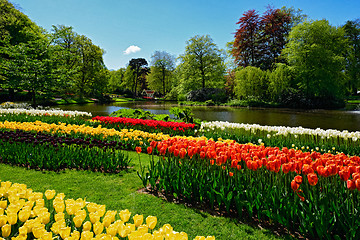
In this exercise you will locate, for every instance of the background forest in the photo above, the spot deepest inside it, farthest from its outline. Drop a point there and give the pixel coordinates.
(279, 57)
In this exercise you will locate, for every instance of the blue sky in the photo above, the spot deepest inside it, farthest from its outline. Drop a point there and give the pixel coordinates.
(165, 25)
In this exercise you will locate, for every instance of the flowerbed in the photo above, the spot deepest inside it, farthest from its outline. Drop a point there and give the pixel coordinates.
(41, 151)
(316, 139)
(306, 191)
(26, 214)
(37, 112)
(132, 138)
(172, 128)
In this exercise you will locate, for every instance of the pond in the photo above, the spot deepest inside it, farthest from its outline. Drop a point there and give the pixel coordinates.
(325, 119)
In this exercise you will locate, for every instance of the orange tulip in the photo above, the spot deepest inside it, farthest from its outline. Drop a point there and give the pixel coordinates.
(312, 178)
(138, 149)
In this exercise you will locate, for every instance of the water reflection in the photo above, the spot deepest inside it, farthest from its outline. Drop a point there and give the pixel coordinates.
(325, 119)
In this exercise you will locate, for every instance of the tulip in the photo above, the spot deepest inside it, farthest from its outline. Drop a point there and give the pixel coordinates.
(138, 220)
(38, 231)
(312, 178)
(65, 232)
(3, 204)
(98, 228)
(3, 220)
(151, 222)
(12, 218)
(94, 217)
(86, 235)
(87, 226)
(125, 215)
(78, 220)
(58, 216)
(50, 194)
(138, 149)
(6, 229)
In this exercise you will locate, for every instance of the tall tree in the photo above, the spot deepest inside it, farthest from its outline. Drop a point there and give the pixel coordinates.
(162, 67)
(137, 65)
(316, 52)
(274, 34)
(91, 62)
(116, 79)
(67, 55)
(202, 65)
(352, 33)
(246, 44)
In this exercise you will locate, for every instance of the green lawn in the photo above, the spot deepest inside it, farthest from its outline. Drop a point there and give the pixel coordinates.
(119, 191)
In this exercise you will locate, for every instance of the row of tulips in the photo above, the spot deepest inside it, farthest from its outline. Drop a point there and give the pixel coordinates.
(30, 151)
(316, 139)
(172, 128)
(131, 137)
(25, 214)
(37, 112)
(317, 194)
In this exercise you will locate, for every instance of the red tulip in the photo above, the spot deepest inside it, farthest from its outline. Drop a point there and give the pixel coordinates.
(138, 149)
(149, 150)
(312, 178)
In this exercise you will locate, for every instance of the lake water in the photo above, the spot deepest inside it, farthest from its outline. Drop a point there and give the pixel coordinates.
(325, 119)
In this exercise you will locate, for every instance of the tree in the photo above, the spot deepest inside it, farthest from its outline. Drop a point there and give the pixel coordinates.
(246, 44)
(136, 66)
(251, 83)
(316, 52)
(90, 63)
(280, 81)
(274, 34)
(67, 55)
(162, 67)
(116, 79)
(202, 65)
(352, 33)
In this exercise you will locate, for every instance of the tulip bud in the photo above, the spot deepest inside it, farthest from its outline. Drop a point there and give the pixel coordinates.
(3, 220)
(24, 215)
(138, 220)
(50, 194)
(125, 215)
(6, 229)
(87, 226)
(151, 222)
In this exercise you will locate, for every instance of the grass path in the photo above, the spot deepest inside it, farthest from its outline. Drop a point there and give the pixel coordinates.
(119, 191)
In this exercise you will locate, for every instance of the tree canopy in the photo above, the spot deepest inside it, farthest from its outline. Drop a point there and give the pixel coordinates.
(202, 65)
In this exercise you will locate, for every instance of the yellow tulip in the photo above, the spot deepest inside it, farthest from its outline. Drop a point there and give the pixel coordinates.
(24, 215)
(3, 204)
(106, 221)
(6, 229)
(123, 231)
(58, 216)
(167, 228)
(124, 215)
(6, 185)
(38, 231)
(143, 228)
(40, 202)
(76, 235)
(55, 228)
(12, 218)
(112, 230)
(50, 194)
(98, 228)
(101, 210)
(199, 238)
(94, 217)
(91, 207)
(78, 220)
(210, 238)
(47, 236)
(59, 206)
(3, 220)
(45, 217)
(23, 230)
(86, 235)
(87, 226)
(138, 220)
(151, 222)
(65, 232)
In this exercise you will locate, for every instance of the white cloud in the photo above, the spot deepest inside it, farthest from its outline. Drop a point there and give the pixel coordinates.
(132, 49)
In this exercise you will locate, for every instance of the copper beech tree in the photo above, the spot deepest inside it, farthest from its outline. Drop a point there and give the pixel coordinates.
(260, 39)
